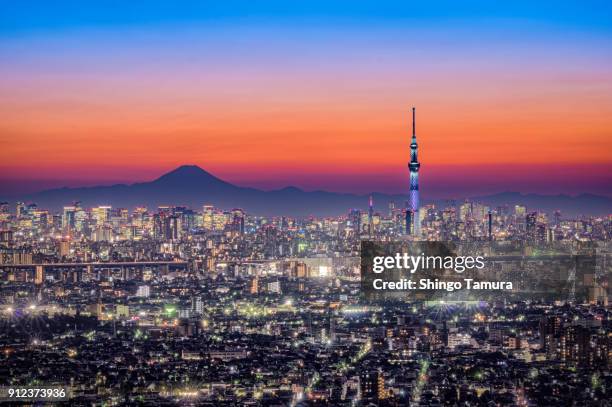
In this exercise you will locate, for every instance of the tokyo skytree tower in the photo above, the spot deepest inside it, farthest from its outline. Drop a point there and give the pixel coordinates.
(413, 225)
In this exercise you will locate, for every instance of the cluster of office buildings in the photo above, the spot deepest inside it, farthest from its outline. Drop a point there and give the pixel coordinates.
(207, 306)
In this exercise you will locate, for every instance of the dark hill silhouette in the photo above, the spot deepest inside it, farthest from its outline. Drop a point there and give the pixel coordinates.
(186, 174)
(192, 186)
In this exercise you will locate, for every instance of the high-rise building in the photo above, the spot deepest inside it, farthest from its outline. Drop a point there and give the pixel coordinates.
(68, 218)
(197, 305)
(138, 218)
(6, 236)
(143, 291)
(124, 216)
(254, 289)
(519, 214)
(122, 311)
(80, 218)
(372, 385)
(371, 215)
(40, 219)
(220, 220)
(172, 228)
(364, 222)
(274, 287)
(465, 211)
(301, 270)
(550, 327)
(557, 217)
(5, 214)
(530, 225)
(412, 218)
(39, 276)
(20, 210)
(207, 216)
(96, 309)
(101, 214)
(575, 345)
(237, 223)
(102, 234)
(355, 220)
(64, 248)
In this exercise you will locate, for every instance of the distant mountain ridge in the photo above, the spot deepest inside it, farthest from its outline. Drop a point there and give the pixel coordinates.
(582, 204)
(192, 186)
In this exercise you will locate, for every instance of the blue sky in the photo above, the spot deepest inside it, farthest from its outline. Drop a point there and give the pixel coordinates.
(20, 17)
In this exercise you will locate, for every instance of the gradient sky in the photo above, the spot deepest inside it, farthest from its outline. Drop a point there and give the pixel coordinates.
(312, 94)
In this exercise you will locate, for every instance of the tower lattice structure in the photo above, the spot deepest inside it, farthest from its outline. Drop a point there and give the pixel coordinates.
(413, 225)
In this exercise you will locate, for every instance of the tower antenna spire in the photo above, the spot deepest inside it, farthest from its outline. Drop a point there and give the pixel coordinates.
(412, 212)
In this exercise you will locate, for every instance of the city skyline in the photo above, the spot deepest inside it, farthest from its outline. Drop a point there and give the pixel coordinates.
(227, 203)
(316, 99)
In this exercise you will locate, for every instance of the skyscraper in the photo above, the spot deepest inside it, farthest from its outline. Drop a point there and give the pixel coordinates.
(370, 215)
(355, 220)
(412, 219)
(69, 217)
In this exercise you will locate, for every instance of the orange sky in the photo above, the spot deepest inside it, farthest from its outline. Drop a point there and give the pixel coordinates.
(96, 112)
(333, 132)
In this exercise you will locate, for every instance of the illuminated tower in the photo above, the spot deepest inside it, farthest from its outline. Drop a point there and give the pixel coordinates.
(371, 215)
(412, 212)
